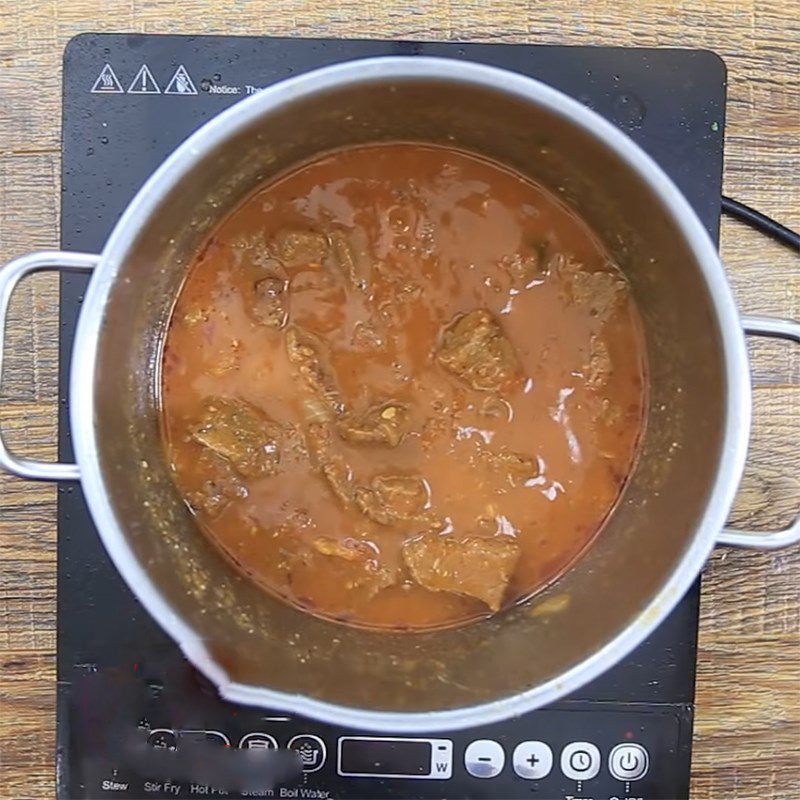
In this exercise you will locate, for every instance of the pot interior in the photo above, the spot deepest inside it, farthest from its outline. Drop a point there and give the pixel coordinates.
(258, 640)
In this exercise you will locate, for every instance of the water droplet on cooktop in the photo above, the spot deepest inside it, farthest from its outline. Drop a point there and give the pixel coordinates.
(628, 110)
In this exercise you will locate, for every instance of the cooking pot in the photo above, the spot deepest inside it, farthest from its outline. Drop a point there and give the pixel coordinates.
(254, 647)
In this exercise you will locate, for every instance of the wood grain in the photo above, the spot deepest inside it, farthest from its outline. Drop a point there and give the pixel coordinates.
(747, 742)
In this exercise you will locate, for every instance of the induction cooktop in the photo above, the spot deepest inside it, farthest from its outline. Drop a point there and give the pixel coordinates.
(126, 695)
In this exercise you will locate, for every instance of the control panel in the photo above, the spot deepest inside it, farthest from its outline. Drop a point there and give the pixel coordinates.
(432, 759)
(587, 750)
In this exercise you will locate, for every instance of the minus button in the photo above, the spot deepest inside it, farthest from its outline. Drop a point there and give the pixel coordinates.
(484, 758)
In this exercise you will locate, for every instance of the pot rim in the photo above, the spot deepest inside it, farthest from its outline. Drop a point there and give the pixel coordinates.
(387, 69)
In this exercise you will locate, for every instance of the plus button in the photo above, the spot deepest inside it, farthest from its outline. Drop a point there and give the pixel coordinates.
(532, 760)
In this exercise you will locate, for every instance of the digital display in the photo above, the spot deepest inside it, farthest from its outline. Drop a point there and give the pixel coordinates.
(363, 756)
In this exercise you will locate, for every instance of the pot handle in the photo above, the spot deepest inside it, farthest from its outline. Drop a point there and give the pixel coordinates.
(767, 540)
(10, 276)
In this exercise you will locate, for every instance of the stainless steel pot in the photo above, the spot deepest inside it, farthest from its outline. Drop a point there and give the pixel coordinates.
(258, 650)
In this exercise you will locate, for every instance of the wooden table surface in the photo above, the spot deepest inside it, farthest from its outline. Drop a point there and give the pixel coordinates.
(747, 734)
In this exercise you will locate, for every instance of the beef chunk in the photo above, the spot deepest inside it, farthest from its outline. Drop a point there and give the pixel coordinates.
(241, 434)
(301, 248)
(269, 302)
(601, 292)
(307, 353)
(393, 498)
(473, 566)
(385, 423)
(219, 489)
(474, 348)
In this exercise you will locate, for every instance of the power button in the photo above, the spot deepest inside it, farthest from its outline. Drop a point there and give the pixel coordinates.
(628, 762)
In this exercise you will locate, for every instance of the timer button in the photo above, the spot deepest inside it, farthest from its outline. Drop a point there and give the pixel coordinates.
(580, 761)
(628, 762)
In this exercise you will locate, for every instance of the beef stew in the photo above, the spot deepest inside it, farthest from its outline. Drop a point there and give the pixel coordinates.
(402, 386)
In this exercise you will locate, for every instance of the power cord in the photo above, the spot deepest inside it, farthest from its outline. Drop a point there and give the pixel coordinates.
(761, 222)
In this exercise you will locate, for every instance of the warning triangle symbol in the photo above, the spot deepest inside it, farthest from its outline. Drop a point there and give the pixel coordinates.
(107, 82)
(144, 82)
(180, 83)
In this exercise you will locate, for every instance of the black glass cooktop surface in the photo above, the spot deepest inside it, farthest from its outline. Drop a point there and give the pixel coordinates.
(125, 693)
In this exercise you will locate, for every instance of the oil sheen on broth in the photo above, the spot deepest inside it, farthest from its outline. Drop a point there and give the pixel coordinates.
(402, 386)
